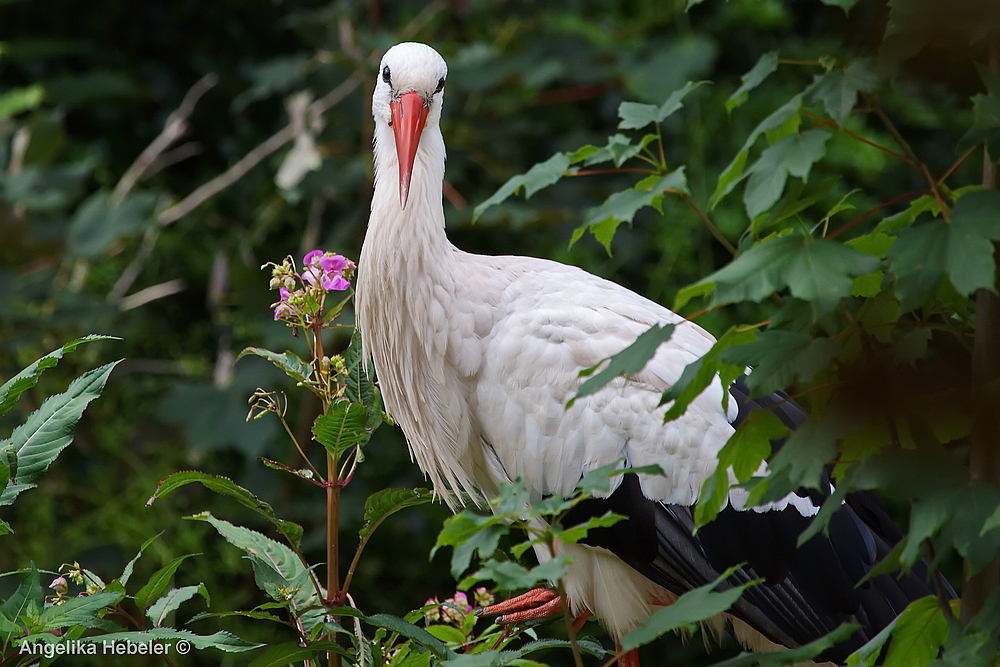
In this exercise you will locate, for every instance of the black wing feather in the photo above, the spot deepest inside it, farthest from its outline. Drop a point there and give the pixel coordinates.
(807, 591)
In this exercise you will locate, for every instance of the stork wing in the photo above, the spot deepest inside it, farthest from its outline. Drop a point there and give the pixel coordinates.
(807, 591)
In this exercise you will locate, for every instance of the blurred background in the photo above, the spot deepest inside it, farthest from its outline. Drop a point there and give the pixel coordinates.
(154, 154)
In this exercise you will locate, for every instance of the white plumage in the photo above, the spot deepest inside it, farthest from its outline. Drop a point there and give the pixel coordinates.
(478, 356)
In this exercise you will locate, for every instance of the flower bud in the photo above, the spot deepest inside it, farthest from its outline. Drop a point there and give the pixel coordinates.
(60, 585)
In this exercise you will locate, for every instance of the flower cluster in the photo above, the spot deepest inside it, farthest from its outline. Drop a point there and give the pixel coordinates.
(456, 609)
(301, 295)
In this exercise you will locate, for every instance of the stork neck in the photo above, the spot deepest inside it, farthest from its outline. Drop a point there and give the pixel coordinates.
(420, 227)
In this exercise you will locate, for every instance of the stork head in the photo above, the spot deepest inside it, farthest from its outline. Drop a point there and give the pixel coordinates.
(408, 95)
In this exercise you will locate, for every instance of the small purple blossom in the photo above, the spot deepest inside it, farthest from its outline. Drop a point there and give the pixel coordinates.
(326, 270)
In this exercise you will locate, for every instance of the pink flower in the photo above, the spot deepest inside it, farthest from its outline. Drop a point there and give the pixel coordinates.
(326, 270)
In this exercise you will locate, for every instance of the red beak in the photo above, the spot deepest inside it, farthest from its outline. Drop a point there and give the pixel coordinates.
(408, 117)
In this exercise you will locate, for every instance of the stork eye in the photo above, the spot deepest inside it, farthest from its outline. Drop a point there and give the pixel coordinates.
(385, 75)
(440, 86)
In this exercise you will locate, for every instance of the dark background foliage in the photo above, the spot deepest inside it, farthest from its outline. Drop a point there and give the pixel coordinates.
(526, 79)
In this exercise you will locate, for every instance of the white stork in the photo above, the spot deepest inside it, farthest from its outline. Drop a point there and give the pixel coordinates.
(477, 357)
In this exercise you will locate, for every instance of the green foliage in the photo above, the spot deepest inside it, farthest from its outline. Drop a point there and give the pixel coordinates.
(109, 227)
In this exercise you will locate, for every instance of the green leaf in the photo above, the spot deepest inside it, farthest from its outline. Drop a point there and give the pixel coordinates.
(629, 361)
(222, 641)
(748, 447)
(29, 593)
(622, 206)
(386, 502)
(781, 357)
(703, 371)
(734, 172)
(158, 582)
(285, 654)
(962, 248)
(619, 149)
(49, 429)
(838, 89)
(794, 155)
(574, 534)
(18, 100)
(76, 611)
(513, 576)
(228, 488)
(635, 116)
(540, 176)
(359, 386)
(820, 271)
(975, 221)
(766, 65)
(127, 572)
(918, 634)
(17, 385)
(343, 426)
(409, 630)
(278, 570)
(291, 363)
(158, 611)
(696, 605)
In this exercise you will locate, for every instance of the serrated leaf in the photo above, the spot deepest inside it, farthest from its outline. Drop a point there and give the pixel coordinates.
(734, 172)
(838, 89)
(293, 366)
(513, 576)
(697, 375)
(794, 155)
(820, 271)
(28, 593)
(270, 558)
(918, 634)
(619, 149)
(622, 206)
(574, 534)
(766, 65)
(343, 426)
(222, 641)
(159, 582)
(228, 488)
(780, 357)
(635, 116)
(629, 361)
(15, 386)
(386, 502)
(285, 654)
(696, 605)
(76, 611)
(127, 572)
(159, 610)
(49, 429)
(540, 176)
